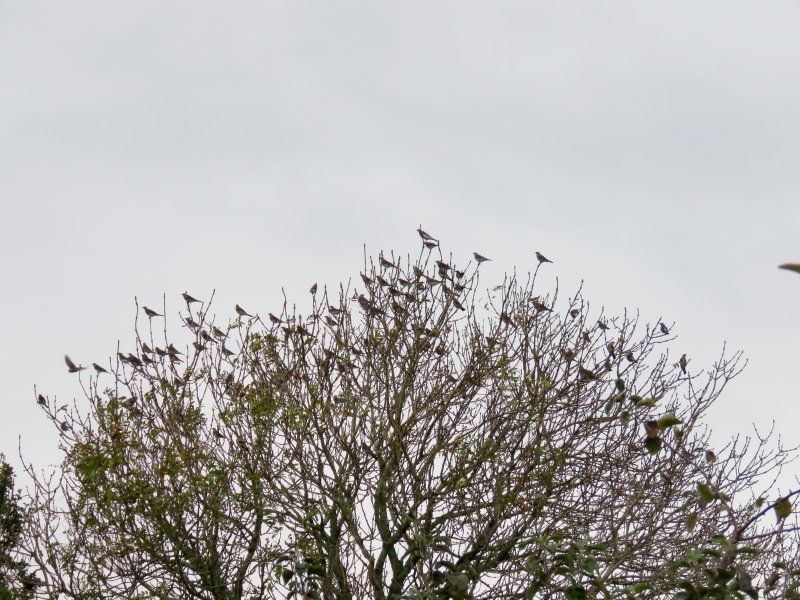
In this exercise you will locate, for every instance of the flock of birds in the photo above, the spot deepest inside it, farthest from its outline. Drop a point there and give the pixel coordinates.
(173, 354)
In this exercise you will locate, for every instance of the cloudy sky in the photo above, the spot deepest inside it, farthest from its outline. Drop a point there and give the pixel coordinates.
(651, 149)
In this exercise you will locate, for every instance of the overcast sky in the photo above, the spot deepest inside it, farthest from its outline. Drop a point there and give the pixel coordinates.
(651, 149)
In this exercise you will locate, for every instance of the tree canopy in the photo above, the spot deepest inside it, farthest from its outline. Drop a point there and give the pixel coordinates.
(411, 436)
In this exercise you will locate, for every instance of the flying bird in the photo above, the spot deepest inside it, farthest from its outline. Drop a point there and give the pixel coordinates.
(98, 368)
(242, 312)
(150, 312)
(426, 237)
(791, 267)
(71, 366)
(683, 362)
(542, 258)
(479, 258)
(189, 299)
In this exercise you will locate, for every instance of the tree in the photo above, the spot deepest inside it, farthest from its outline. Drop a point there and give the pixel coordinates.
(16, 582)
(409, 438)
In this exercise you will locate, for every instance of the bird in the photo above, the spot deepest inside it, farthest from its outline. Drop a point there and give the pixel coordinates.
(71, 366)
(146, 349)
(98, 368)
(683, 362)
(191, 323)
(189, 299)
(430, 245)
(172, 350)
(242, 312)
(218, 332)
(783, 508)
(367, 281)
(386, 263)
(663, 328)
(574, 313)
(539, 306)
(602, 326)
(631, 358)
(610, 346)
(150, 312)
(426, 237)
(274, 319)
(710, 456)
(225, 351)
(542, 258)
(587, 374)
(313, 289)
(443, 266)
(790, 267)
(479, 258)
(41, 400)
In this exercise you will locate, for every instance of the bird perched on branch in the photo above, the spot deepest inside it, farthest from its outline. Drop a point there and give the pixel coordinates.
(189, 299)
(480, 259)
(426, 237)
(242, 312)
(313, 289)
(663, 328)
(542, 258)
(539, 306)
(150, 312)
(98, 368)
(71, 366)
(274, 319)
(683, 362)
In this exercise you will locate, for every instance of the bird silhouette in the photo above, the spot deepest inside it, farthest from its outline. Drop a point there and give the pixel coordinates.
(191, 323)
(172, 350)
(426, 237)
(274, 319)
(189, 299)
(387, 263)
(242, 312)
(542, 258)
(313, 289)
(539, 306)
(218, 332)
(663, 328)
(41, 400)
(602, 326)
(430, 245)
(71, 366)
(146, 349)
(480, 259)
(683, 362)
(150, 312)
(98, 368)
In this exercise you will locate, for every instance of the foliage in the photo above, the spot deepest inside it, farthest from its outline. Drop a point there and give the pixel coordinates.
(410, 438)
(16, 581)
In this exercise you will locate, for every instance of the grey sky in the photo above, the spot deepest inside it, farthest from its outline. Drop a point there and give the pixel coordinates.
(650, 149)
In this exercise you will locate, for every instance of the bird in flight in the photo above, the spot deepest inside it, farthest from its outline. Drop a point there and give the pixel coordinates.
(71, 366)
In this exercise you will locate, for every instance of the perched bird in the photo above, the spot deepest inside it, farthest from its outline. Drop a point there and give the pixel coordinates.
(146, 349)
(189, 299)
(586, 374)
(574, 313)
(539, 306)
(274, 319)
(430, 245)
(426, 237)
(480, 259)
(710, 456)
(41, 400)
(602, 326)
(242, 312)
(226, 352)
(64, 426)
(172, 350)
(631, 358)
(71, 366)
(783, 508)
(443, 266)
(161, 352)
(610, 346)
(134, 360)
(683, 362)
(367, 281)
(663, 328)
(386, 263)
(542, 258)
(218, 332)
(313, 289)
(191, 323)
(98, 368)
(150, 312)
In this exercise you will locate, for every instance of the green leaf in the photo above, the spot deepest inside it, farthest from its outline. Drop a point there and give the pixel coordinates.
(706, 494)
(575, 592)
(668, 420)
(653, 444)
